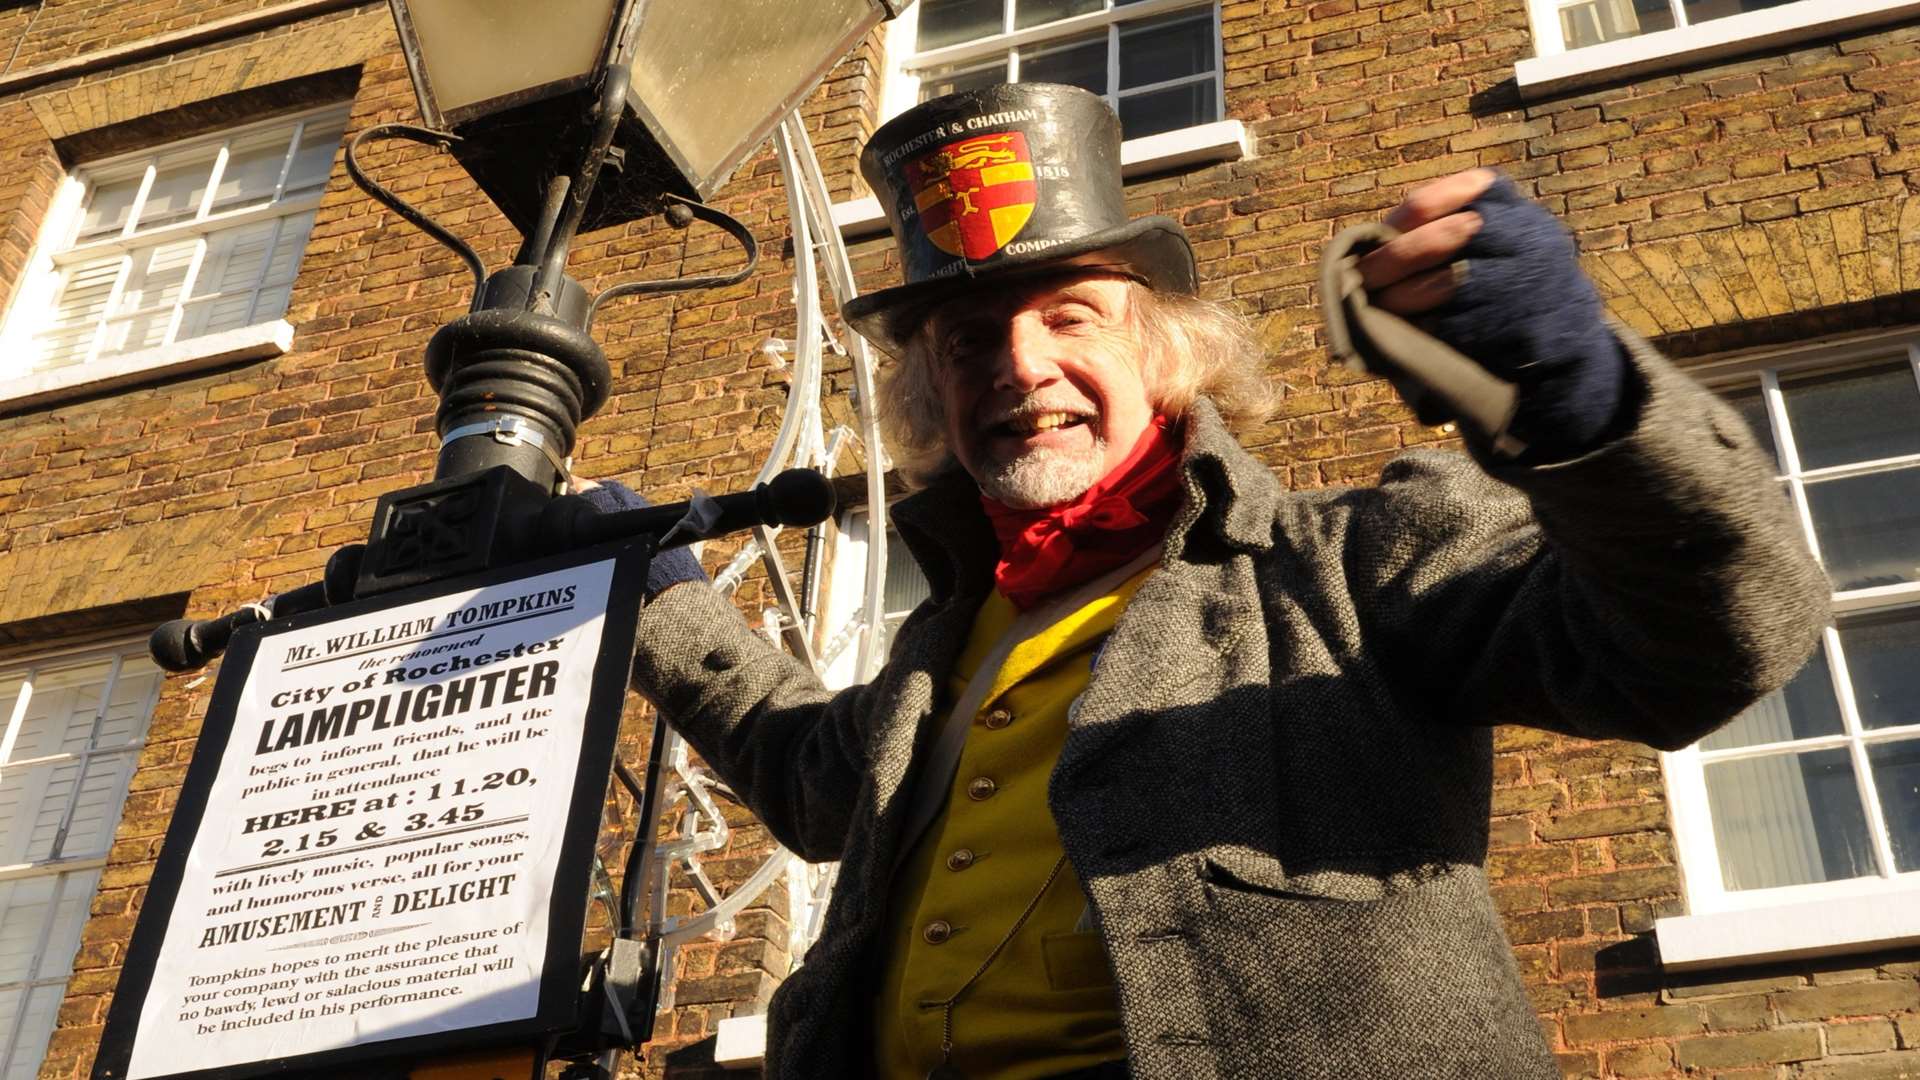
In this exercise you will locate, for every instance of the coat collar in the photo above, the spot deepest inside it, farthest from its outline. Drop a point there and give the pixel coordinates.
(1231, 499)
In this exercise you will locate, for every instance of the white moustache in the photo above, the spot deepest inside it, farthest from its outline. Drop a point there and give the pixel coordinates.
(1030, 408)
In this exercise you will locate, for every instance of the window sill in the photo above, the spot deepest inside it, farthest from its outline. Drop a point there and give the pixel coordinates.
(114, 372)
(1202, 144)
(1704, 43)
(1833, 927)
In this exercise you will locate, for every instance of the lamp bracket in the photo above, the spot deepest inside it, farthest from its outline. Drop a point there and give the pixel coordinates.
(442, 141)
(677, 208)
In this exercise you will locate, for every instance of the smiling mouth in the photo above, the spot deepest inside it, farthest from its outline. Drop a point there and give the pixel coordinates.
(1036, 423)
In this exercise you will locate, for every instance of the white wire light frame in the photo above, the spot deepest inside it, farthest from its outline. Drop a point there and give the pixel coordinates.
(1004, 49)
(65, 870)
(202, 224)
(1698, 851)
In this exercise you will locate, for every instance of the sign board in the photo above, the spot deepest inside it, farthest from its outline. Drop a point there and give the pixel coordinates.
(383, 844)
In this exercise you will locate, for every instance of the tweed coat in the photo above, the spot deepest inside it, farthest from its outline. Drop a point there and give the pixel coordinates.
(1276, 787)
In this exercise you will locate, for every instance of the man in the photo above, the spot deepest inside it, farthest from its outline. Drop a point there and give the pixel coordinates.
(1178, 774)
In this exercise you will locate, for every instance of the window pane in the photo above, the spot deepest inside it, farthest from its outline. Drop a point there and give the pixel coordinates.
(24, 906)
(97, 810)
(1081, 63)
(906, 586)
(952, 80)
(157, 275)
(1752, 407)
(1805, 708)
(1699, 11)
(1034, 12)
(947, 22)
(108, 205)
(69, 917)
(253, 170)
(76, 314)
(1166, 110)
(1156, 51)
(1869, 527)
(288, 243)
(1859, 415)
(1590, 22)
(43, 1007)
(313, 159)
(1788, 819)
(1896, 775)
(1883, 662)
(178, 185)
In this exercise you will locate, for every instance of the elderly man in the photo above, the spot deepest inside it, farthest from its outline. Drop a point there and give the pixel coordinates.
(1178, 774)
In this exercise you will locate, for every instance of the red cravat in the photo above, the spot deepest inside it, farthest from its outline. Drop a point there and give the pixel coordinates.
(1057, 547)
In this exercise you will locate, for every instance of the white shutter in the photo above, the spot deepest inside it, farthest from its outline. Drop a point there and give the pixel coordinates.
(76, 314)
(82, 718)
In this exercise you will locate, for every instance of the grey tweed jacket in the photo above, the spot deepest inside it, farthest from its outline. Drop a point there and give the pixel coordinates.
(1275, 788)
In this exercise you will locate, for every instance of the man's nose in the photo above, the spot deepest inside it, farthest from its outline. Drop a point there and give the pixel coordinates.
(1029, 357)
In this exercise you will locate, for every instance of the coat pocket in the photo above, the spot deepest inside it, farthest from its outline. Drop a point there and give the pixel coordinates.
(1352, 878)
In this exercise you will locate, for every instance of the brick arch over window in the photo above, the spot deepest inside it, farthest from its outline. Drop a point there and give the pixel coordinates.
(1689, 285)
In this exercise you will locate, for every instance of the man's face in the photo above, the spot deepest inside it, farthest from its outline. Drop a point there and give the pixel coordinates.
(1043, 386)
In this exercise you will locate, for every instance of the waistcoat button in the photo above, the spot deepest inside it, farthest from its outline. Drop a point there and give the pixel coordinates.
(998, 719)
(937, 932)
(960, 859)
(981, 788)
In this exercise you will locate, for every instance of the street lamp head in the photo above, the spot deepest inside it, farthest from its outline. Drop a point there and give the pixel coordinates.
(519, 81)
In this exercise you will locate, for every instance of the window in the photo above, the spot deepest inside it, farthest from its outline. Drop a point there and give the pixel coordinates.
(1157, 62)
(1590, 22)
(174, 244)
(1581, 43)
(1814, 793)
(905, 587)
(74, 724)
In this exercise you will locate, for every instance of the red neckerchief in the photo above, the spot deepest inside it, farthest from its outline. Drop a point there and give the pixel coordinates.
(1122, 515)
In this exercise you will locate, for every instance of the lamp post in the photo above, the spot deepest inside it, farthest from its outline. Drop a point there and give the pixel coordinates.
(571, 115)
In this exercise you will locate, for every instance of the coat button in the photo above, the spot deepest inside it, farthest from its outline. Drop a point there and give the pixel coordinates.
(937, 932)
(998, 719)
(981, 788)
(960, 859)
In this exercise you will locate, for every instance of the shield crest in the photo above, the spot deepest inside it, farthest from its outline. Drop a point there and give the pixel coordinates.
(974, 195)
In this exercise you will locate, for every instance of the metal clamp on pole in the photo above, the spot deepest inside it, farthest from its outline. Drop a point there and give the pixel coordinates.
(513, 431)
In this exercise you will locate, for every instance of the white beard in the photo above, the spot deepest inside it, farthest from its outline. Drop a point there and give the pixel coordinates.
(1044, 477)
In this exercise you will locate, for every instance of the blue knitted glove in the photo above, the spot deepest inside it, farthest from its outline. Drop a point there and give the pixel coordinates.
(1528, 313)
(670, 567)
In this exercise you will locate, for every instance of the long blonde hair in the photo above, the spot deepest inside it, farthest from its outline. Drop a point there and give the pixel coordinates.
(1191, 348)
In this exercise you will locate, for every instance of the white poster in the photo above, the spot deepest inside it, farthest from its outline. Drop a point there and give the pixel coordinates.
(378, 846)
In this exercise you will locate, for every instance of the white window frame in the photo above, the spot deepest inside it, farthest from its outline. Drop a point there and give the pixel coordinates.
(55, 249)
(59, 863)
(1724, 926)
(1220, 140)
(1555, 69)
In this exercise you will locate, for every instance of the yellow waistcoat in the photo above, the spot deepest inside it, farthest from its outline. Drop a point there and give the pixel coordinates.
(1044, 1003)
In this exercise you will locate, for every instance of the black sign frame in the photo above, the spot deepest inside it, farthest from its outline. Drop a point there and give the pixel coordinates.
(558, 1009)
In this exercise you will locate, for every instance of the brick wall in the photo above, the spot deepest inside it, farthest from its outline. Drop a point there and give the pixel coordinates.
(1766, 199)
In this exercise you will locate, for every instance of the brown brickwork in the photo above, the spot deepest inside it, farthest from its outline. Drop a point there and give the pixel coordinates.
(1766, 199)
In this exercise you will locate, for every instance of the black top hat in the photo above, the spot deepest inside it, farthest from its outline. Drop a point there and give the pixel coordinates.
(984, 185)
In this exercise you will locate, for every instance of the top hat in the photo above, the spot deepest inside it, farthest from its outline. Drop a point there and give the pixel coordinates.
(988, 185)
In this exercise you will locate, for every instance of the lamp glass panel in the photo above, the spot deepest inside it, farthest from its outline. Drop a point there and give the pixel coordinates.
(480, 50)
(716, 77)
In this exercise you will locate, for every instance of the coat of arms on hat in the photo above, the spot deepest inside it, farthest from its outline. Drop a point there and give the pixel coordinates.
(974, 195)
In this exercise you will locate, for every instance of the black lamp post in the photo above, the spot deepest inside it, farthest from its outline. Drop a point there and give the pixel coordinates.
(570, 115)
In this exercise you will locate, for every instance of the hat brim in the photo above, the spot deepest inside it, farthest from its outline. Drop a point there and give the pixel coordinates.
(1152, 249)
